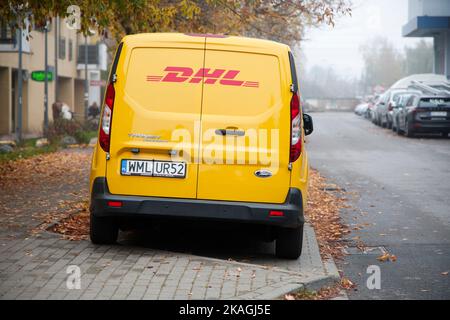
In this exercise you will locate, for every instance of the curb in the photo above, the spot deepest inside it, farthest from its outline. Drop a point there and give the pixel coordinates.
(314, 282)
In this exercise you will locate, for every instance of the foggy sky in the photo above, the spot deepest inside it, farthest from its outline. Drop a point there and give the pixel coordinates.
(340, 46)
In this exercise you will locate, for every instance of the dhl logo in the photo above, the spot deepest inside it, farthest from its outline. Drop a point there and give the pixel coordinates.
(209, 76)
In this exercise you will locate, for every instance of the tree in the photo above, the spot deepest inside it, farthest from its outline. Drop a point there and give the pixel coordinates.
(419, 59)
(282, 20)
(383, 64)
(326, 83)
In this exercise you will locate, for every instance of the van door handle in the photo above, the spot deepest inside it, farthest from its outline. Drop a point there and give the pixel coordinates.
(230, 132)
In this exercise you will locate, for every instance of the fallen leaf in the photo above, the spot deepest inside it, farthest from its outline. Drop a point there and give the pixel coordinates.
(347, 284)
(384, 257)
(387, 257)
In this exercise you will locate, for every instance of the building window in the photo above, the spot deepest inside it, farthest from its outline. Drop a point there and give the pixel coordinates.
(62, 48)
(92, 57)
(6, 35)
(70, 49)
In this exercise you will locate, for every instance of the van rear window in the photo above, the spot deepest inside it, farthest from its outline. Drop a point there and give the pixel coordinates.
(434, 102)
(293, 72)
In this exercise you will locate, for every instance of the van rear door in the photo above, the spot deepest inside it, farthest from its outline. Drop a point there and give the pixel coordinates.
(245, 124)
(154, 101)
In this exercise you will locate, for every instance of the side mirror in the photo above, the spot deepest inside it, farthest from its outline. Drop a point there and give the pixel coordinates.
(308, 124)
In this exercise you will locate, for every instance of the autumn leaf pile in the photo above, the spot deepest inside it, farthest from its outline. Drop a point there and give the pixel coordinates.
(322, 294)
(76, 226)
(323, 213)
(39, 191)
(57, 167)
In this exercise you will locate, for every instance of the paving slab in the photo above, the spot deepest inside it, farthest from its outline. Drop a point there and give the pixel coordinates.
(38, 269)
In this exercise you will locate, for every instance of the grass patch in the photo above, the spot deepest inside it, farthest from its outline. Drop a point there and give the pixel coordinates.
(26, 149)
(84, 137)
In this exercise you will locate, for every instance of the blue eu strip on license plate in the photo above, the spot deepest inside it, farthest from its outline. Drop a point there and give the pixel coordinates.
(153, 168)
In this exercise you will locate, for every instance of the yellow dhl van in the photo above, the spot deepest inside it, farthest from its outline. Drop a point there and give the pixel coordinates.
(202, 127)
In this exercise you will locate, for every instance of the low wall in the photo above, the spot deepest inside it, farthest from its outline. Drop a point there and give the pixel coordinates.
(321, 105)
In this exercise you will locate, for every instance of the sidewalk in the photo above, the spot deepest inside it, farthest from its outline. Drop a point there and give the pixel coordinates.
(36, 269)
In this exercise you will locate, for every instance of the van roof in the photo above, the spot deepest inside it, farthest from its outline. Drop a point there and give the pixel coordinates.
(251, 43)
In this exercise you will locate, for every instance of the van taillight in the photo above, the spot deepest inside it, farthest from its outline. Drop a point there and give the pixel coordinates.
(105, 128)
(296, 129)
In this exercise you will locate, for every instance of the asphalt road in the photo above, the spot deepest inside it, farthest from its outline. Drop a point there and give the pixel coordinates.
(399, 191)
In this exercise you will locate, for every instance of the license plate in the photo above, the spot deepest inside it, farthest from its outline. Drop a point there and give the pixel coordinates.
(153, 168)
(438, 114)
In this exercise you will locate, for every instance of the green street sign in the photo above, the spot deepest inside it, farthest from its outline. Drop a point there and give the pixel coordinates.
(40, 76)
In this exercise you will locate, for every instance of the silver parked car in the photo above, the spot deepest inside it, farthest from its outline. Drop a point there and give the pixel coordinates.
(384, 109)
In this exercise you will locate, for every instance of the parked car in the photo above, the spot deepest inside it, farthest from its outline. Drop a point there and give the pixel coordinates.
(159, 84)
(361, 109)
(373, 110)
(394, 98)
(424, 114)
(376, 112)
(400, 103)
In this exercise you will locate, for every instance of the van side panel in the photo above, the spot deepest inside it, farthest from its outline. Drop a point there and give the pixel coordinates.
(251, 103)
(300, 169)
(152, 105)
(98, 162)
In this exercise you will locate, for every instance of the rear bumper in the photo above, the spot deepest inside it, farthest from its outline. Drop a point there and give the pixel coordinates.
(430, 126)
(240, 212)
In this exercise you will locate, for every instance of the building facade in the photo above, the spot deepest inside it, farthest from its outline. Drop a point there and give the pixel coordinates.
(431, 18)
(66, 64)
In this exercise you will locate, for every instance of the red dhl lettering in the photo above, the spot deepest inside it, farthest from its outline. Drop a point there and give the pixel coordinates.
(208, 75)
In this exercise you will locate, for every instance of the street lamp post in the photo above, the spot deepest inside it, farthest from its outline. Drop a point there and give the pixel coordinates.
(55, 78)
(46, 78)
(86, 85)
(19, 89)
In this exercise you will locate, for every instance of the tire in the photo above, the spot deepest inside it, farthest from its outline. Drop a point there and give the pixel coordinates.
(408, 132)
(103, 230)
(398, 130)
(289, 243)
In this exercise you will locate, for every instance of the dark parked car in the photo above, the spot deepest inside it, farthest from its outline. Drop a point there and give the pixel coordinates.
(424, 114)
(394, 99)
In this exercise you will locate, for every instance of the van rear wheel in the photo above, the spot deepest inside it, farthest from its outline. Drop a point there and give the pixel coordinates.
(103, 230)
(289, 243)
